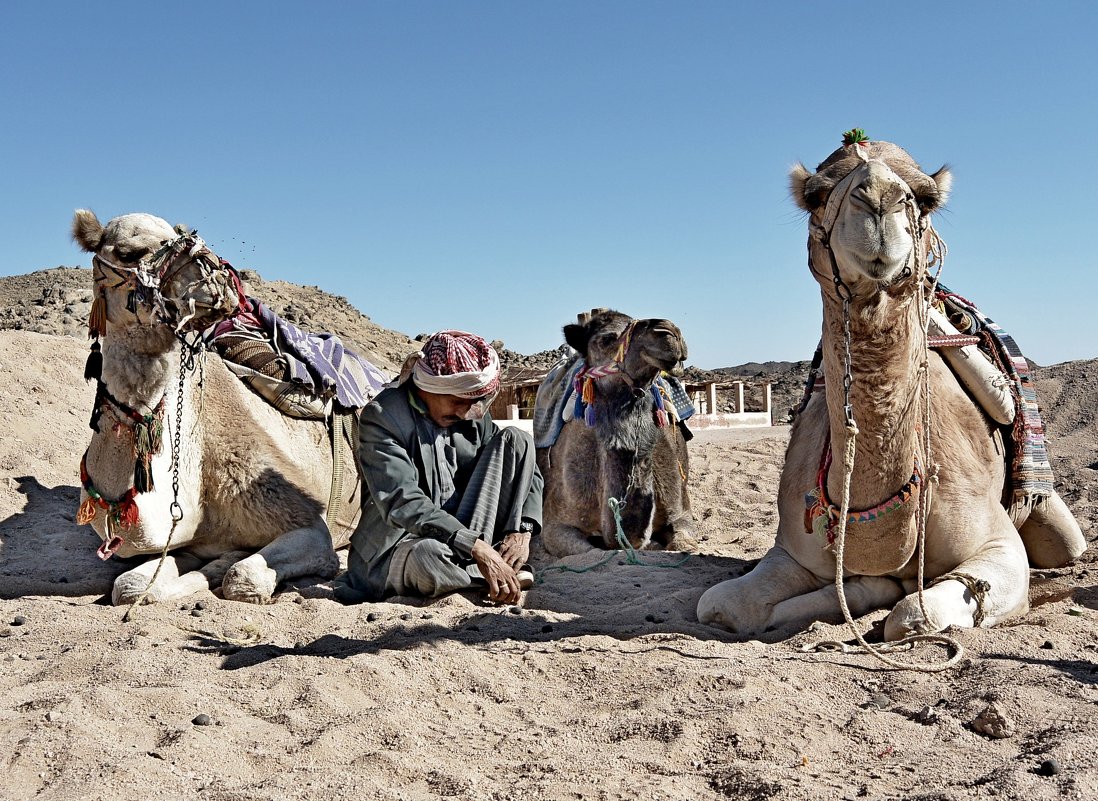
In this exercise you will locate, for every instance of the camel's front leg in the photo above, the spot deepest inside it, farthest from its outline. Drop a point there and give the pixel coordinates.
(982, 591)
(178, 578)
(745, 605)
(561, 539)
(301, 552)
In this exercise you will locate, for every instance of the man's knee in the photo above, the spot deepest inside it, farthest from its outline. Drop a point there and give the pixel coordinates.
(515, 439)
(431, 568)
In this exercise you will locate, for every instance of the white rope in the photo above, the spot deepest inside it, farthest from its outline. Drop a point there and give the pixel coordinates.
(937, 248)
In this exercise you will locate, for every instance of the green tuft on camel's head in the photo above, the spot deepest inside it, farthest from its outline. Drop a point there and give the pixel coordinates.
(854, 136)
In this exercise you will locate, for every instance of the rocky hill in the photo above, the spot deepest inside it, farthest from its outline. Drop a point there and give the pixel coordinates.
(57, 302)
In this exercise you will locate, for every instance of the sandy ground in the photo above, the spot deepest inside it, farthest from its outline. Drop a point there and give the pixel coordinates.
(602, 686)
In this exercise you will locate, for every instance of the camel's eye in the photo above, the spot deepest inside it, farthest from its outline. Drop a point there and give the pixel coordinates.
(131, 256)
(814, 200)
(606, 340)
(928, 202)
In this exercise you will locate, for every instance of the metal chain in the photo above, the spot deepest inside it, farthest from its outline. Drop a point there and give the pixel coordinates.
(186, 362)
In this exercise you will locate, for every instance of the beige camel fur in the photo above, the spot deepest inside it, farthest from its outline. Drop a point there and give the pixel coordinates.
(869, 220)
(253, 485)
(625, 455)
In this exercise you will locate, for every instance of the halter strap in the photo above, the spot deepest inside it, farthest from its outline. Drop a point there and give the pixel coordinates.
(821, 515)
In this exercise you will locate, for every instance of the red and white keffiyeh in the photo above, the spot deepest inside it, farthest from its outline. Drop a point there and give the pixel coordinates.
(455, 363)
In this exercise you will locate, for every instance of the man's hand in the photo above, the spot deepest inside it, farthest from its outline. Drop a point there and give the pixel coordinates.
(515, 549)
(503, 585)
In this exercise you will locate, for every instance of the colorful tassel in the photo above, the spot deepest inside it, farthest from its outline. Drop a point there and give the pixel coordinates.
(127, 511)
(86, 513)
(588, 390)
(93, 367)
(148, 435)
(97, 318)
(142, 475)
(589, 415)
(659, 411)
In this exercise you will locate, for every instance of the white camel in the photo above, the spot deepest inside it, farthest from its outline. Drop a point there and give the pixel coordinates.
(184, 455)
(870, 246)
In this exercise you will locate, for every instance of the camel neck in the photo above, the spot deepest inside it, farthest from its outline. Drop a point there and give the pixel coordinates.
(139, 364)
(623, 418)
(885, 392)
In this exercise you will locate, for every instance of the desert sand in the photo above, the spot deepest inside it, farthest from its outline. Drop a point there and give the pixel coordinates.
(602, 685)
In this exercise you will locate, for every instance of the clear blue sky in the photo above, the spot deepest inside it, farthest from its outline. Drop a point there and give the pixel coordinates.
(500, 166)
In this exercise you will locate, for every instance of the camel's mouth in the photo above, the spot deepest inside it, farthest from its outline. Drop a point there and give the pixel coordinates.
(667, 363)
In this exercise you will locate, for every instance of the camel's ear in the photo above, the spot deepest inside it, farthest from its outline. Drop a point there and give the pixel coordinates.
(798, 180)
(86, 230)
(577, 336)
(944, 179)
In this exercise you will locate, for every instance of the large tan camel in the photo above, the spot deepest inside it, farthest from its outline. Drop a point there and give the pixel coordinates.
(241, 487)
(628, 452)
(870, 245)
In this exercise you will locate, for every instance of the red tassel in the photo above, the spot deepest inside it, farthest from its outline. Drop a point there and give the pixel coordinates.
(127, 512)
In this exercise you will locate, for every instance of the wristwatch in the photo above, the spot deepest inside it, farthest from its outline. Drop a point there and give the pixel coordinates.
(526, 526)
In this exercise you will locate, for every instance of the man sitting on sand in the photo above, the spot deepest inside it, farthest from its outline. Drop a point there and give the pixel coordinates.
(451, 499)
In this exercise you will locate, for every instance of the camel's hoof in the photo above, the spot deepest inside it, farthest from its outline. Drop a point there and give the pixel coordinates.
(711, 610)
(128, 588)
(682, 542)
(250, 581)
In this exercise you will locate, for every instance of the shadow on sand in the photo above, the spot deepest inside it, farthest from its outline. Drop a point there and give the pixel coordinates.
(619, 600)
(44, 552)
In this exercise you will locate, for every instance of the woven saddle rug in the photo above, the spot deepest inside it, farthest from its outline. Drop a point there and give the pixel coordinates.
(1030, 470)
(557, 400)
(302, 374)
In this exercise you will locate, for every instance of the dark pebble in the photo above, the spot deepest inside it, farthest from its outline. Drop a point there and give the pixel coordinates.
(636, 584)
(200, 605)
(515, 610)
(202, 720)
(1047, 645)
(196, 613)
(1049, 767)
(426, 616)
(650, 618)
(370, 618)
(546, 629)
(18, 620)
(405, 616)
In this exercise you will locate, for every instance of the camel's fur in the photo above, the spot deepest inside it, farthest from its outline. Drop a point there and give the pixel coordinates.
(625, 455)
(967, 531)
(251, 481)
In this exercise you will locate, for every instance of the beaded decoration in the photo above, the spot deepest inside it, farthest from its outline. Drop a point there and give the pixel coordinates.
(821, 516)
